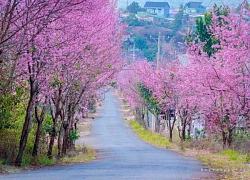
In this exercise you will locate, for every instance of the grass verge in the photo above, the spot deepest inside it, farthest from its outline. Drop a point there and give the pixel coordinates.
(151, 138)
(231, 164)
(228, 164)
(80, 154)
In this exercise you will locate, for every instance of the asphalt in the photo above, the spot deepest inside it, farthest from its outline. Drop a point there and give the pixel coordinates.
(121, 155)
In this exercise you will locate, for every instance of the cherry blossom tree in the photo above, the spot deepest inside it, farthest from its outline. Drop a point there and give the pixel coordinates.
(63, 52)
(222, 80)
(213, 84)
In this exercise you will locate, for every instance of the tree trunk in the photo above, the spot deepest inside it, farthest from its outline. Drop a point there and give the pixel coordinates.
(136, 114)
(70, 141)
(55, 117)
(189, 131)
(52, 139)
(224, 139)
(147, 120)
(157, 124)
(142, 118)
(65, 139)
(230, 137)
(38, 134)
(168, 119)
(59, 143)
(39, 120)
(27, 123)
(183, 132)
(171, 135)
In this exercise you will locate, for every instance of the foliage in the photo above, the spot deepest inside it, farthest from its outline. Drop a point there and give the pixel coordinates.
(26, 160)
(79, 155)
(10, 106)
(74, 135)
(47, 125)
(150, 52)
(140, 42)
(231, 154)
(11, 126)
(152, 104)
(132, 20)
(248, 158)
(54, 58)
(45, 161)
(133, 7)
(210, 88)
(203, 33)
(177, 23)
(220, 70)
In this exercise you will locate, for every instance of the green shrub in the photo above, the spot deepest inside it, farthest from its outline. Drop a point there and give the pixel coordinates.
(45, 161)
(248, 158)
(26, 160)
(74, 135)
(231, 154)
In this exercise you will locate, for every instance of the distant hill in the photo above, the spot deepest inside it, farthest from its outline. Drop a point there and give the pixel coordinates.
(176, 3)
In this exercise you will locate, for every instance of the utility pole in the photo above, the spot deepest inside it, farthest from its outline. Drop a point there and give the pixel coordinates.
(158, 55)
(155, 118)
(159, 51)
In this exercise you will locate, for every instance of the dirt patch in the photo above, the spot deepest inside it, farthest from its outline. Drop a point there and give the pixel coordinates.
(2, 171)
(84, 125)
(209, 176)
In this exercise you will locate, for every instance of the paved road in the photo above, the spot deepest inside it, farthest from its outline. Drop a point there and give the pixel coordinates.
(122, 155)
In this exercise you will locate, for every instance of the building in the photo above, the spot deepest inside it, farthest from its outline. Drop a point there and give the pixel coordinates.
(194, 7)
(158, 8)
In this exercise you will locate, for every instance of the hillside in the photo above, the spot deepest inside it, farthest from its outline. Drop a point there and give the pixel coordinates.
(176, 3)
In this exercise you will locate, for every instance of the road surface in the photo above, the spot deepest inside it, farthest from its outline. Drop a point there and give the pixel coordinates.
(122, 155)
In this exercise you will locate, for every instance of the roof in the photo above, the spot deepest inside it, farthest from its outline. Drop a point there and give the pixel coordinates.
(194, 5)
(156, 4)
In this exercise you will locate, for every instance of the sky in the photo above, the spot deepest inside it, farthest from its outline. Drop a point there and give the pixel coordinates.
(176, 3)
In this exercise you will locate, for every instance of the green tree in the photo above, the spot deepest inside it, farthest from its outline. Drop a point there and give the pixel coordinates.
(133, 7)
(8, 107)
(177, 23)
(140, 42)
(132, 20)
(150, 52)
(203, 34)
(151, 103)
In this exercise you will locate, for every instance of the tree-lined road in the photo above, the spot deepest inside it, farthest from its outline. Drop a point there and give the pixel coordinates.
(122, 155)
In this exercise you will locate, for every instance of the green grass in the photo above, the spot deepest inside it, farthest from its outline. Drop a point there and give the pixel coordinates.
(151, 138)
(45, 161)
(26, 160)
(78, 155)
(233, 156)
(229, 162)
